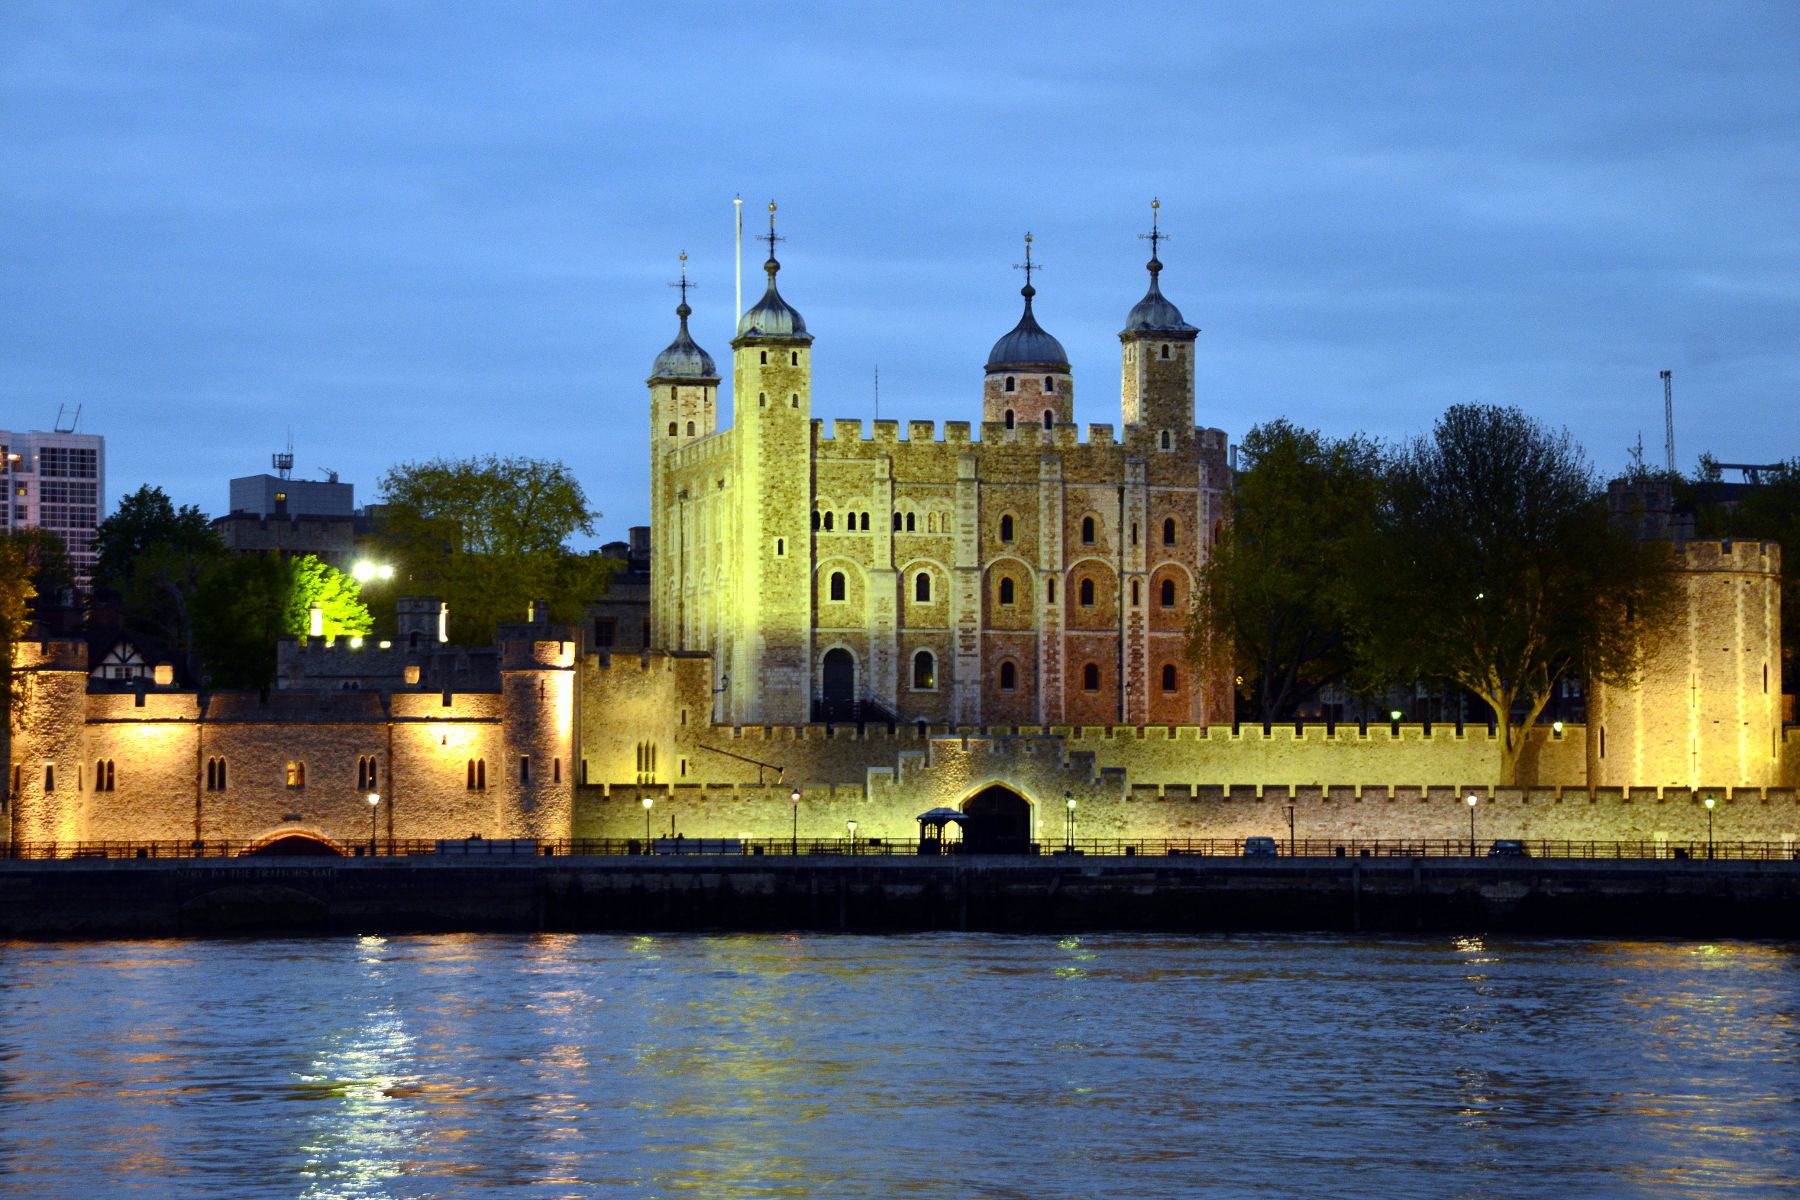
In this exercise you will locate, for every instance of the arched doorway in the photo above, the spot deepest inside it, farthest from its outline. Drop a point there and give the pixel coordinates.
(290, 845)
(838, 690)
(999, 822)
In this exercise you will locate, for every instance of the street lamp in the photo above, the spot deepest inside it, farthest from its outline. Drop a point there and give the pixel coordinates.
(794, 849)
(374, 804)
(364, 571)
(1472, 802)
(649, 803)
(1290, 809)
(1070, 833)
(851, 825)
(1709, 802)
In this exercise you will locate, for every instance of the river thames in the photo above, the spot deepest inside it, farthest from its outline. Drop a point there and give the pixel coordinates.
(943, 1065)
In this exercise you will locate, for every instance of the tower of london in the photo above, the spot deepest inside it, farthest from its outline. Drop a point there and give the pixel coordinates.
(1018, 570)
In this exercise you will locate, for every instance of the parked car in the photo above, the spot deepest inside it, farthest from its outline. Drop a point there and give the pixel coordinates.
(1259, 847)
(1508, 848)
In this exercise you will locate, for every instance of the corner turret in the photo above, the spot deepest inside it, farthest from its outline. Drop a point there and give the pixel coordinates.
(1157, 371)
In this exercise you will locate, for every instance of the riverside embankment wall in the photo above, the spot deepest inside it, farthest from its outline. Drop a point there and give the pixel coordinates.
(152, 898)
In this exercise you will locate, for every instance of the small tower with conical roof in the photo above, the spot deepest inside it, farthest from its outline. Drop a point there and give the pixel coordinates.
(1157, 372)
(1028, 381)
(772, 417)
(684, 407)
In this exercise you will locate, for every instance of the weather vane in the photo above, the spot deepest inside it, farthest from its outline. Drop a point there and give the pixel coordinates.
(772, 239)
(1028, 266)
(1155, 235)
(683, 283)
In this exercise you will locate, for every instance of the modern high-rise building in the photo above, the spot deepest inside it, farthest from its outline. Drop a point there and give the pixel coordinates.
(56, 481)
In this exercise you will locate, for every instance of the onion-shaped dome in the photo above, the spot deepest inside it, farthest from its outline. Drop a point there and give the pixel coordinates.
(772, 317)
(1027, 345)
(1154, 313)
(684, 359)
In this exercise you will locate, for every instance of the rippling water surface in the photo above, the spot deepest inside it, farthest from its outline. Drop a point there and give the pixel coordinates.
(941, 1065)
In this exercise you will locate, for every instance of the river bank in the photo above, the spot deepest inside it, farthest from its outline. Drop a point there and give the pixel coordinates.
(160, 898)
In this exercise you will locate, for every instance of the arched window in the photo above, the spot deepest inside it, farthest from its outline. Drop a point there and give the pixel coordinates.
(672, 429)
(1134, 593)
(793, 358)
(296, 773)
(1165, 439)
(865, 522)
(1011, 383)
(690, 429)
(1168, 531)
(1009, 677)
(365, 773)
(922, 587)
(1049, 384)
(762, 400)
(794, 400)
(1087, 593)
(1090, 677)
(850, 522)
(764, 360)
(1168, 593)
(837, 585)
(1169, 677)
(1087, 531)
(1006, 528)
(1006, 589)
(909, 522)
(818, 522)
(103, 775)
(924, 671)
(896, 522)
(215, 775)
(1049, 418)
(671, 393)
(1050, 590)
(1009, 418)
(1165, 350)
(827, 522)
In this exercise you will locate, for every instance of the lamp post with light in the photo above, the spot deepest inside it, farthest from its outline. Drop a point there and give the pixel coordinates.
(649, 803)
(1473, 799)
(374, 806)
(851, 826)
(794, 848)
(1290, 809)
(1709, 802)
(1069, 833)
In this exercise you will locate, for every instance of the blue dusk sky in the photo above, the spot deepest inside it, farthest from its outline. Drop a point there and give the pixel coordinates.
(407, 230)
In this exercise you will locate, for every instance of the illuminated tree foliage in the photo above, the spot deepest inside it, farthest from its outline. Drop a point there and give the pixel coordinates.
(1273, 596)
(16, 593)
(1494, 563)
(489, 535)
(248, 602)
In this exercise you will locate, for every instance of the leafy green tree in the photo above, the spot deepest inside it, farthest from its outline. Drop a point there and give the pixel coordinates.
(1273, 596)
(16, 594)
(155, 556)
(1493, 563)
(52, 571)
(247, 603)
(490, 535)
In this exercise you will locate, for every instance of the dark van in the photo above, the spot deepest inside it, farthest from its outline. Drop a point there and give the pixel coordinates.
(1508, 848)
(1259, 847)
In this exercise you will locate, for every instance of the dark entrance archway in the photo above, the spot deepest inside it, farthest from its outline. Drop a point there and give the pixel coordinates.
(295, 844)
(838, 691)
(999, 822)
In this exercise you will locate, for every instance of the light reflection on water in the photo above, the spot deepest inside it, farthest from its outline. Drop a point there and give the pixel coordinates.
(935, 1065)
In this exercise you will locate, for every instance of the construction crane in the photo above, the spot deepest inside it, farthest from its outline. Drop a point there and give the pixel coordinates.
(1668, 378)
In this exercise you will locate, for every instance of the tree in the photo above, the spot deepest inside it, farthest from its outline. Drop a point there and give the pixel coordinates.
(247, 603)
(51, 570)
(489, 535)
(155, 556)
(16, 594)
(1494, 563)
(1272, 599)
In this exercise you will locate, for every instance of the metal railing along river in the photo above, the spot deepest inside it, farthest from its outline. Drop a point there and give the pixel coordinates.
(863, 847)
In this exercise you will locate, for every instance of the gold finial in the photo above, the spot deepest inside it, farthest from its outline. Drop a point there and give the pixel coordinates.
(771, 206)
(1155, 204)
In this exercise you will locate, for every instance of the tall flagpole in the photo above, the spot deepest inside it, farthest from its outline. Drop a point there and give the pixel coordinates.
(737, 312)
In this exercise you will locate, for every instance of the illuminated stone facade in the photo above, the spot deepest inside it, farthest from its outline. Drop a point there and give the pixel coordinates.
(1025, 575)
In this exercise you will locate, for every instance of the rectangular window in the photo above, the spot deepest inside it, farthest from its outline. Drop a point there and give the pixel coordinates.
(606, 632)
(296, 774)
(524, 768)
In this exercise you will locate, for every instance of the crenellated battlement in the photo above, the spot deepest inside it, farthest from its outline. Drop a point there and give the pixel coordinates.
(1752, 557)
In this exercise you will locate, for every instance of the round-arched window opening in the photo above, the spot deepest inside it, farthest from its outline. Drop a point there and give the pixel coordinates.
(924, 671)
(837, 585)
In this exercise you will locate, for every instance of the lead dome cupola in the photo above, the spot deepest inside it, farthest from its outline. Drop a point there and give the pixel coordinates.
(772, 317)
(1154, 314)
(684, 359)
(1027, 345)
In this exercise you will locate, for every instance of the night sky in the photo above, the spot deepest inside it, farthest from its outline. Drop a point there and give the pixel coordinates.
(409, 230)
